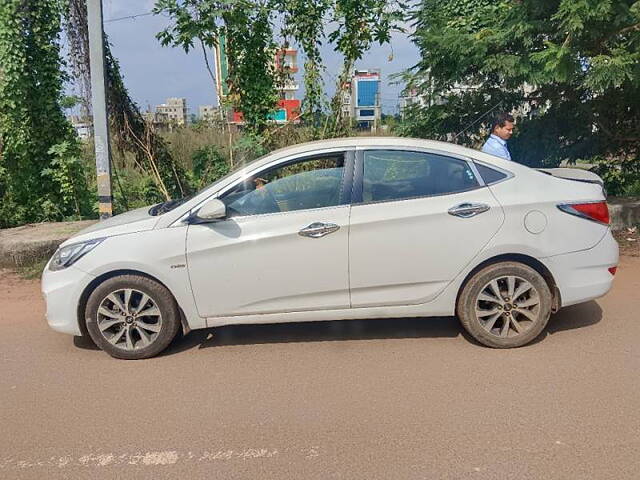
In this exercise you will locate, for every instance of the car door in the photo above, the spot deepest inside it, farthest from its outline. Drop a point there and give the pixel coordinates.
(283, 246)
(418, 218)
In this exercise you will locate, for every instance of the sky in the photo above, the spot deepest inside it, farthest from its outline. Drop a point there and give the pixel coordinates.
(152, 73)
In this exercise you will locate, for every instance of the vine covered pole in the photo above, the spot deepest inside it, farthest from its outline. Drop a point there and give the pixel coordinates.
(99, 106)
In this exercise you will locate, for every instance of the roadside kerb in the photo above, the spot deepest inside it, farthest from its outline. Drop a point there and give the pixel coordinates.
(26, 245)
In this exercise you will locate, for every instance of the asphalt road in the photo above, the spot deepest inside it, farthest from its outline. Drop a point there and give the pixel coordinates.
(378, 399)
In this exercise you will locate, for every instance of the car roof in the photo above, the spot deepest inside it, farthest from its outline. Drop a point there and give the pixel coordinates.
(371, 141)
(382, 142)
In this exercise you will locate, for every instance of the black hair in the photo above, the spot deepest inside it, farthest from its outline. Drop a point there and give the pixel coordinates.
(500, 119)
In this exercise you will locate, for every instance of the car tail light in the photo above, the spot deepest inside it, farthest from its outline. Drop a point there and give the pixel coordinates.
(612, 270)
(596, 211)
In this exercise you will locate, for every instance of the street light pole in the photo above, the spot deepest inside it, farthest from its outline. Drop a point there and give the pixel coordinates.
(99, 107)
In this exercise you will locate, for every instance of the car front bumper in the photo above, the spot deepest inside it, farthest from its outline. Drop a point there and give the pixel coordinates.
(583, 276)
(62, 290)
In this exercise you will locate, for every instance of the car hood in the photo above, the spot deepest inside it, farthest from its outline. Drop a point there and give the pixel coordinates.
(133, 221)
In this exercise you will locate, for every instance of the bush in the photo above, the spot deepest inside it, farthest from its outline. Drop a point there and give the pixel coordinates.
(621, 178)
(66, 171)
(208, 166)
(133, 189)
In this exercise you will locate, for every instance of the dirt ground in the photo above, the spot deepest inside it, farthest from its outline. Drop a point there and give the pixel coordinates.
(629, 241)
(377, 399)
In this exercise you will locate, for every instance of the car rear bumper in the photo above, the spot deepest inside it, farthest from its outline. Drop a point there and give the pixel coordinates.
(62, 291)
(583, 276)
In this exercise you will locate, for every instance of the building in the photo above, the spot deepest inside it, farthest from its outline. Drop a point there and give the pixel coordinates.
(82, 125)
(157, 120)
(361, 98)
(208, 112)
(285, 60)
(175, 109)
(409, 97)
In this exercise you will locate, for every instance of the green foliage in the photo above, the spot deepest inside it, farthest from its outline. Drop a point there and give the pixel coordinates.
(67, 172)
(249, 32)
(70, 101)
(131, 133)
(251, 50)
(620, 177)
(304, 22)
(248, 147)
(568, 69)
(209, 165)
(135, 189)
(31, 118)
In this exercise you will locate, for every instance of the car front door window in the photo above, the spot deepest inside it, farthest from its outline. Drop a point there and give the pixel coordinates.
(300, 185)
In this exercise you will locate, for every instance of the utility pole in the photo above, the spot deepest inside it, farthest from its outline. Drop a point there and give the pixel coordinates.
(99, 107)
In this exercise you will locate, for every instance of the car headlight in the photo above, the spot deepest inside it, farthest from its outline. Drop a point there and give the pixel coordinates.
(67, 256)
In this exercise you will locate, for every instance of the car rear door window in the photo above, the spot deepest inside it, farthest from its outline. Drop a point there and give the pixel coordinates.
(395, 175)
(490, 175)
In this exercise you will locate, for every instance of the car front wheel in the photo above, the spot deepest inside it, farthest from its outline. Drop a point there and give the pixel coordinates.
(132, 317)
(505, 305)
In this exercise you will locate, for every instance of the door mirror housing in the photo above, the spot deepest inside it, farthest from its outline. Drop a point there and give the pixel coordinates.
(211, 211)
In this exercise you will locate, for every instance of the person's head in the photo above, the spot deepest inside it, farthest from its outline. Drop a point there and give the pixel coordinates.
(502, 126)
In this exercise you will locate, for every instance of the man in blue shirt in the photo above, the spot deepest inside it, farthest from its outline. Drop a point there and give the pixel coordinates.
(501, 131)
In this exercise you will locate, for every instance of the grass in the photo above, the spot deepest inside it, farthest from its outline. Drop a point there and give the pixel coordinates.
(33, 270)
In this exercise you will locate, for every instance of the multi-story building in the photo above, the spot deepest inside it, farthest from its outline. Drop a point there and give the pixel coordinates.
(175, 109)
(361, 97)
(286, 61)
(208, 112)
(158, 120)
(409, 97)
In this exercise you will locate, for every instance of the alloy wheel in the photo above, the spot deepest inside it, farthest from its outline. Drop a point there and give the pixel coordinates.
(508, 306)
(129, 319)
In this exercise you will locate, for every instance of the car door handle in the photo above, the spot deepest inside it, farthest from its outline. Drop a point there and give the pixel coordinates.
(318, 229)
(468, 210)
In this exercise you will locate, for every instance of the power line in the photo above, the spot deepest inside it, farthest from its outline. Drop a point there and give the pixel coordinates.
(128, 17)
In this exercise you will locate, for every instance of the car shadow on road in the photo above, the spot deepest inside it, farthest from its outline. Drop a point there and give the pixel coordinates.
(577, 316)
(329, 331)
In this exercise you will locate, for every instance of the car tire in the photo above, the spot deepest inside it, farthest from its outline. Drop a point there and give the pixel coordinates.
(132, 317)
(505, 305)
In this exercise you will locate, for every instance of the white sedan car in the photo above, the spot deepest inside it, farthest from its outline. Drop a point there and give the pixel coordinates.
(353, 228)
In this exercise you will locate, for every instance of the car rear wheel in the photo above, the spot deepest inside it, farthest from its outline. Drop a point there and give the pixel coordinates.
(505, 305)
(132, 317)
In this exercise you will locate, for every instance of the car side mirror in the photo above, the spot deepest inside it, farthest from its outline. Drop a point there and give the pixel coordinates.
(211, 211)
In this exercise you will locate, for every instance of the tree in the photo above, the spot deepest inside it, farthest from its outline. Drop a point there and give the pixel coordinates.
(569, 69)
(251, 31)
(39, 149)
(129, 131)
